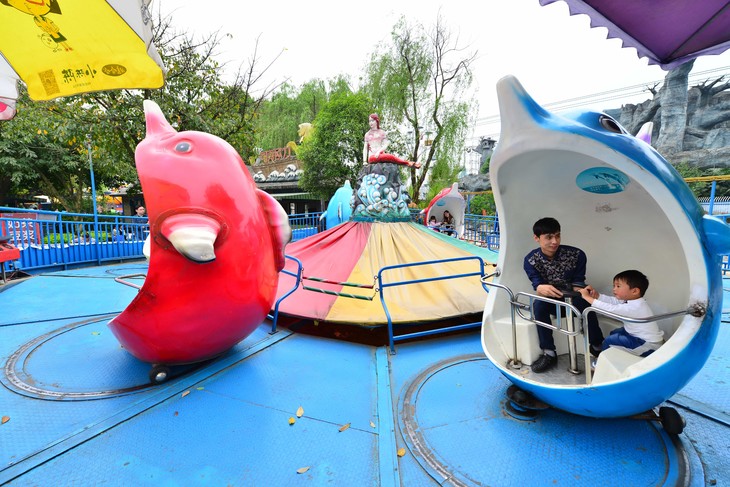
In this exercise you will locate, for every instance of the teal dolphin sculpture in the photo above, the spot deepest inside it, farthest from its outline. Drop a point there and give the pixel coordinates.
(621, 202)
(339, 209)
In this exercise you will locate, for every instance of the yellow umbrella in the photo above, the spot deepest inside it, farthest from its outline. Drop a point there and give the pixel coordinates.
(66, 47)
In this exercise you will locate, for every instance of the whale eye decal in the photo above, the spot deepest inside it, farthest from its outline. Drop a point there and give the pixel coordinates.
(183, 147)
(610, 124)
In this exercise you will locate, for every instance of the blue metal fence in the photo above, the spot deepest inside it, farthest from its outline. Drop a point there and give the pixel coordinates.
(51, 240)
(482, 231)
(479, 230)
(305, 225)
(61, 240)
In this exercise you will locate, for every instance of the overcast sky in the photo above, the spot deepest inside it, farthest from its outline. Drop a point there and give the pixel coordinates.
(554, 55)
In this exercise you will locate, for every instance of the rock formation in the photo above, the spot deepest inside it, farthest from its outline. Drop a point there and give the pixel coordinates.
(690, 125)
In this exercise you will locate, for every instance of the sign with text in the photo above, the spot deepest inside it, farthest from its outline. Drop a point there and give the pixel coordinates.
(23, 229)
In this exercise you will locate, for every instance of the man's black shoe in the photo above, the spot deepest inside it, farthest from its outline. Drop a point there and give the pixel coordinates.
(595, 352)
(544, 363)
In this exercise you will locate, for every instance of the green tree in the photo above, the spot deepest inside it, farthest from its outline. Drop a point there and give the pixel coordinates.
(723, 185)
(44, 148)
(442, 176)
(194, 97)
(280, 117)
(279, 120)
(331, 155)
(44, 152)
(687, 170)
(704, 188)
(418, 81)
(484, 168)
(482, 203)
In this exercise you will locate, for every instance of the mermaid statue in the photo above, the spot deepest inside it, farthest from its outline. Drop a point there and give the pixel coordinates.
(379, 194)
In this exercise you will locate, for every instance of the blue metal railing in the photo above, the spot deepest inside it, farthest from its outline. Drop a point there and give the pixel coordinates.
(51, 240)
(479, 230)
(59, 240)
(482, 231)
(305, 224)
(274, 317)
(383, 285)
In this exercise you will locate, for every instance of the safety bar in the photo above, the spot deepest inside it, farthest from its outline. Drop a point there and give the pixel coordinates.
(518, 307)
(121, 280)
(514, 362)
(571, 332)
(339, 283)
(339, 293)
(382, 285)
(697, 310)
(298, 275)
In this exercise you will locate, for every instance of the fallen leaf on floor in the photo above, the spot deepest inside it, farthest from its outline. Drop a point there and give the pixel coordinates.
(96, 333)
(292, 420)
(303, 469)
(300, 412)
(372, 425)
(5, 419)
(344, 427)
(401, 452)
(185, 393)
(200, 388)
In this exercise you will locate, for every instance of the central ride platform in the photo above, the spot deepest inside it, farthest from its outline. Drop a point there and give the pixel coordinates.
(80, 410)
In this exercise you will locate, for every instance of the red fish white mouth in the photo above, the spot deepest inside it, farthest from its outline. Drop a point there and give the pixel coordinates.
(192, 234)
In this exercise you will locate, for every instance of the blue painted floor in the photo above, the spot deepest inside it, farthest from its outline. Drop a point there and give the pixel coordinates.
(80, 410)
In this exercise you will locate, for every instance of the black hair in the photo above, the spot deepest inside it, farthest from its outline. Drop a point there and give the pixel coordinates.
(545, 225)
(633, 279)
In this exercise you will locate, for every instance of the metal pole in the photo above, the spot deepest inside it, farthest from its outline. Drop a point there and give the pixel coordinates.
(572, 352)
(93, 201)
(712, 197)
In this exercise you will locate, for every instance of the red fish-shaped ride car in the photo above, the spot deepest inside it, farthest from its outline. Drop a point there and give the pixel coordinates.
(216, 247)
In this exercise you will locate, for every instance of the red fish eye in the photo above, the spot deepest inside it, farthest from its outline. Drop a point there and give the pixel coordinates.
(183, 147)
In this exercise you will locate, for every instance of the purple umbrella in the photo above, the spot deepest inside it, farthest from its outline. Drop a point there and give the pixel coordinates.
(667, 33)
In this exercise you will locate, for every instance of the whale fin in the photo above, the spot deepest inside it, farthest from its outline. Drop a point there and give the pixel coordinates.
(193, 235)
(278, 226)
(645, 132)
(717, 234)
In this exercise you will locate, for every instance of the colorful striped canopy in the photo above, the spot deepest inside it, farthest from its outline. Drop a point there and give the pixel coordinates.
(354, 252)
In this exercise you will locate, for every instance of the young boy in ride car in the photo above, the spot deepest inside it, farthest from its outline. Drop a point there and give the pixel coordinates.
(628, 300)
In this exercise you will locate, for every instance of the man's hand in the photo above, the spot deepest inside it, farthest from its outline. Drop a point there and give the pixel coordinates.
(549, 291)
